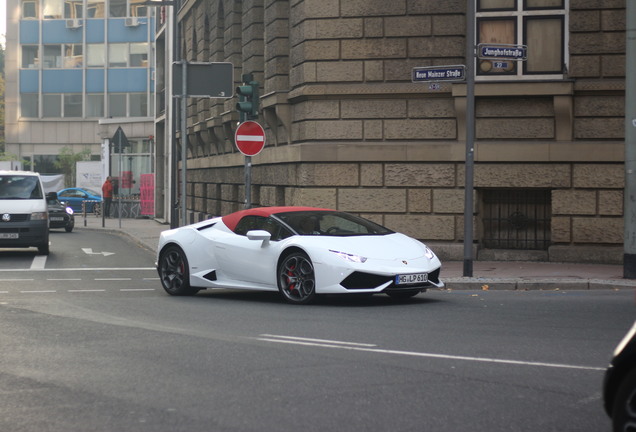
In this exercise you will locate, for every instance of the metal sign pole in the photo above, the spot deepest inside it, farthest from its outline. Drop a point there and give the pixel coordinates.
(248, 182)
(470, 138)
(629, 246)
(184, 141)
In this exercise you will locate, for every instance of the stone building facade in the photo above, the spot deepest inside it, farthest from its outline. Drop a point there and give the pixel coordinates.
(348, 129)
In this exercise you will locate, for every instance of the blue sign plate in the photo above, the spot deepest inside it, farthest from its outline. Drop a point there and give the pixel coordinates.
(502, 52)
(439, 73)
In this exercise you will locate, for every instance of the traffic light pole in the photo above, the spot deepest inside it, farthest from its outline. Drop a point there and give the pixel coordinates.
(184, 140)
(470, 138)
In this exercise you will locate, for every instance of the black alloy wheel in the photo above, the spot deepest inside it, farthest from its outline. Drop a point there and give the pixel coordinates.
(624, 412)
(296, 278)
(174, 273)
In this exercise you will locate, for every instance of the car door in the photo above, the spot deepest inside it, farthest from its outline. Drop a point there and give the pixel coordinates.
(251, 261)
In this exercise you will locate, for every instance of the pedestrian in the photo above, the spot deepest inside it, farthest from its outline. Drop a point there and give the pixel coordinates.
(107, 194)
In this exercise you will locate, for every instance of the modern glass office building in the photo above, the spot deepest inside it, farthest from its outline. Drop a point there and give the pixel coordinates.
(76, 71)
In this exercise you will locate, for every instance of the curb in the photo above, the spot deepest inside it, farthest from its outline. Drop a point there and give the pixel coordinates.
(514, 284)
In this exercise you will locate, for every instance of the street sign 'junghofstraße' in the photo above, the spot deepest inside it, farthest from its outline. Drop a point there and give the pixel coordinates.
(439, 73)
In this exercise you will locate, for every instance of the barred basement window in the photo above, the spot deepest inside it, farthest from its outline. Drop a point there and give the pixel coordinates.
(516, 218)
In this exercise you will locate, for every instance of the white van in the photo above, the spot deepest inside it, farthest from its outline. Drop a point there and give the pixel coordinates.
(24, 218)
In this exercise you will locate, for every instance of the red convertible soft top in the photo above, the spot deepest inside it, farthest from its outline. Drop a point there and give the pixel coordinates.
(233, 219)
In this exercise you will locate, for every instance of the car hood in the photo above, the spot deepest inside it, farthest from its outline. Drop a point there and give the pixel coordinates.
(381, 247)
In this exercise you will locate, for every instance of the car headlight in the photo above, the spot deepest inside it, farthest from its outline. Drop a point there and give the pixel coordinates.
(429, 253)
(349, 257)
(39, 216)
(69, 210)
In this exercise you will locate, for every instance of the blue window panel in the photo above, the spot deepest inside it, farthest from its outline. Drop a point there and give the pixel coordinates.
(29, 82)
(119, 32)
(29, 32)
(95, 80)
(62, 81)
(95, 32)
(55, 31)
(152, 82)
(127, 80)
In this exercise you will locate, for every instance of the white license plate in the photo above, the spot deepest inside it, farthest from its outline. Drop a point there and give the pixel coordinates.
(409, 279)
(9, 235)
(56, 218)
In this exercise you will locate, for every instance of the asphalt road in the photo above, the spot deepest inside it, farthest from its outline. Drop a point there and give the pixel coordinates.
(90, 342)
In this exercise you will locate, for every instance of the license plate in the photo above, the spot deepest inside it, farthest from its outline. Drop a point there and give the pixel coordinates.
(56, 218)
(409, 279)
(9, 235)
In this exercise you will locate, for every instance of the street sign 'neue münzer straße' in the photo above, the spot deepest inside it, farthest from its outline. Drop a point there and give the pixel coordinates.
(439, 73)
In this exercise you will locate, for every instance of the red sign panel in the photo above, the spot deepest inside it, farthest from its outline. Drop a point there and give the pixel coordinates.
(250, 138)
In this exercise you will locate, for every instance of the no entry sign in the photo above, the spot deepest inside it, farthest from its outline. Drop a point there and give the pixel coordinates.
(250, 138)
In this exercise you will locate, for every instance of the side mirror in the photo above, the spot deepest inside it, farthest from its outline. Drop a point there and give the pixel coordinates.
(259, 235)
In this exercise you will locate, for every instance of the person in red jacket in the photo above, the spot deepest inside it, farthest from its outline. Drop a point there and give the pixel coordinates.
(107, 193)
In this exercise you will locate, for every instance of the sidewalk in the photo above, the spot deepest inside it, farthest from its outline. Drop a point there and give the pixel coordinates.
(487, 275)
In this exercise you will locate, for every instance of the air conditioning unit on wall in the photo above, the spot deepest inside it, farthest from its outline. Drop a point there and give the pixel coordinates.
(132, 21)
(73, 23)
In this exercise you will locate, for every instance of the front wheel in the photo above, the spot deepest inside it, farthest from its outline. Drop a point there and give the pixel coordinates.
(174, 273)
(624, 412)
(296, 278)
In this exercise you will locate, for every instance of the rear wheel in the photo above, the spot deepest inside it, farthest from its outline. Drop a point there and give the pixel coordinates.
(624, 412)
(296, 278)
(174, 273)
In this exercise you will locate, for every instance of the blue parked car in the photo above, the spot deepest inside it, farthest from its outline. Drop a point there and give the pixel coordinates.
(74, 197)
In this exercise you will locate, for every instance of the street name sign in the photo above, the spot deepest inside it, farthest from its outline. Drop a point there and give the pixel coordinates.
(502, 52)
(439, 73)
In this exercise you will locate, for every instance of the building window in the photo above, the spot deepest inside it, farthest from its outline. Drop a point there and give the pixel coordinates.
(117, 55)
(30, 56)
(95, 9)
(138, 105)
(52, 56)
(73, 9)
(52, 105)
(73, 57)
(138, 55)
(516, 218)
(52, 9)
(95, 105)
(95, 55)
(72, 105)
(29, 105)
(117, 8)
(117, 105)
(30, 9)
(538, 24)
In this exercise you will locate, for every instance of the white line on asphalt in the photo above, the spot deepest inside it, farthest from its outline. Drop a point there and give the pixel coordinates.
(350, 346)
(17, 280)
(80, 269)
(86, 290)
(317, 340)
(62, 280)
(112, 279)
(137, 289)
(38, 292)
(39, 261)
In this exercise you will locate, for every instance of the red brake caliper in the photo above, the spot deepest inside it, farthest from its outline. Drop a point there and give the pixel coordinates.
(290, 274)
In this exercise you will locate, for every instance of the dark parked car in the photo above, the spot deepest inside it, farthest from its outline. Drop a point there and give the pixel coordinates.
(60, 214)
(74, 197)
(619, 385)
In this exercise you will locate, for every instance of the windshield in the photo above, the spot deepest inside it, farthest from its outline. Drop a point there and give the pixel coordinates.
(20, 187)
(330, 224)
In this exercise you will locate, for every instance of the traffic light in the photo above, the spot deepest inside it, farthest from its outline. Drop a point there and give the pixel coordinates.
(248, 98)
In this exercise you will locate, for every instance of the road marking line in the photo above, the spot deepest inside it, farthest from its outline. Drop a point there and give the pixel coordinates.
(38, 292)
(80, 269)
(17, 280)
(86, 290)
(39, 261)
(317, 340)
(62, 280)
(351, 347)
(112, 279)
(137, 289)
